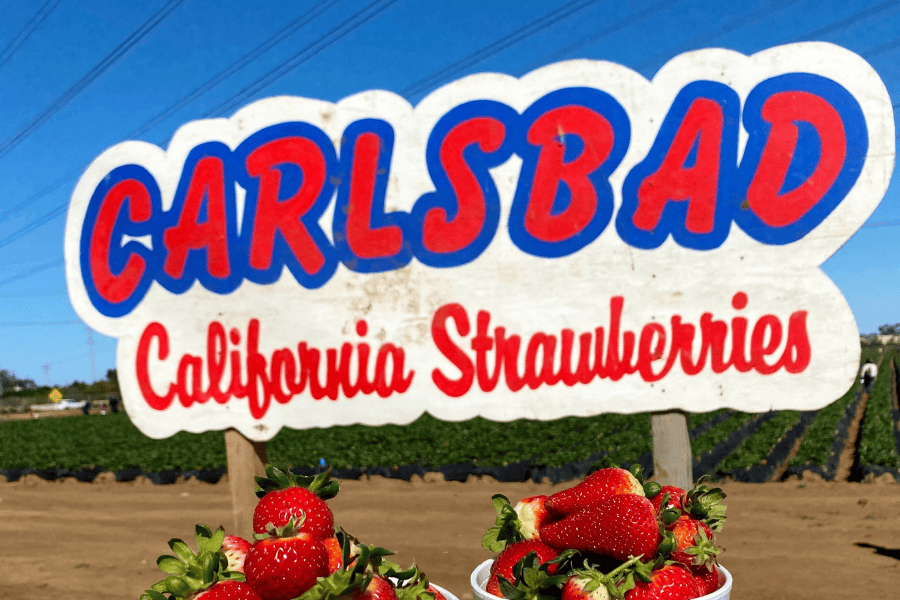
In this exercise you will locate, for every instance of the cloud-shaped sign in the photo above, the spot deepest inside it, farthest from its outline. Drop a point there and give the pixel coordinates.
(579, 240)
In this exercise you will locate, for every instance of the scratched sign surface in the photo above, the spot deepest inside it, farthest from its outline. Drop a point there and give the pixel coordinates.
(579, 240)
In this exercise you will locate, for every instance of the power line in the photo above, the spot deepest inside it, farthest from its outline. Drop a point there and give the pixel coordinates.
(40, 323)
(849, 20)
(108, 61)
(727, 28)
(291, 28)
(36, 20)
(268, 78)
(300, 57)
(228, 72)
(49, 265)
(598, 35)
(506, 41)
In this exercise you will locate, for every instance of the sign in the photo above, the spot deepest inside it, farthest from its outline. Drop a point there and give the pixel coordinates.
(55, 395)
(576, 241)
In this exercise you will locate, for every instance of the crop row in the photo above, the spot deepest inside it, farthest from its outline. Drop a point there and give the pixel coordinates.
(750, 447)
(877, 451)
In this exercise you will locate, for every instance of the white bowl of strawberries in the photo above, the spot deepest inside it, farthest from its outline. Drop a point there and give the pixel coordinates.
(608, 537)
(298, 553)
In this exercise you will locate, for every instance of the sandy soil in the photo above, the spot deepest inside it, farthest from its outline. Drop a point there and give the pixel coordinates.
(792, 540)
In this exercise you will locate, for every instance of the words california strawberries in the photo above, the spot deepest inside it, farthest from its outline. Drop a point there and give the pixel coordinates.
(578, 240)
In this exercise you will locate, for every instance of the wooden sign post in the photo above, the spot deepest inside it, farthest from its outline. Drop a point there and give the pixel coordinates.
(246, 460)
(672, 460)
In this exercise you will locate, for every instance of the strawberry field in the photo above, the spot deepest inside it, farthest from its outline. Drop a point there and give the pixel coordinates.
(725, 443)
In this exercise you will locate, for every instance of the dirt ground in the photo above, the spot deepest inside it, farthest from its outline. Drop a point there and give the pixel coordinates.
(791, 540)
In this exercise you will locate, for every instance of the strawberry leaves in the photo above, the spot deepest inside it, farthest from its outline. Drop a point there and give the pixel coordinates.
(506, 526)
(532, 579)
(282, 478)
(189, 572)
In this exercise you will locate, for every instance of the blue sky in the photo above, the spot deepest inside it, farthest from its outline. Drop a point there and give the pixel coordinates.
(78, 76)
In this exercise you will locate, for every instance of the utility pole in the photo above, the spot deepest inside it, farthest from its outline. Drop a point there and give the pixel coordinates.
(46, 367)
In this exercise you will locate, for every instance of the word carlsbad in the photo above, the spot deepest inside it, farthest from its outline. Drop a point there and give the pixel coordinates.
(807, 144)
(497, 357)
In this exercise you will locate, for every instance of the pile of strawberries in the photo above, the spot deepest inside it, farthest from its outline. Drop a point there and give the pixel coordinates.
(298, 552)
(610, 536)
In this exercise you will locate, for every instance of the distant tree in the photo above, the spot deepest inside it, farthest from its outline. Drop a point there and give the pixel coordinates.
(9, 381)
(893, 329)
(112, 376)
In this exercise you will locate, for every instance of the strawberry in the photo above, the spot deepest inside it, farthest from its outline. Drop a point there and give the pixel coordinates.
(285, 563)
(516, 524)
(530, 578)
(235, 549)
(335, 558)
(379, 588)
(284, 495)
(708, 579)
(364, 574)
(668, 496)
(201, 575)
(668, 582)
(621, 526)
(583, 588)
(436, 592)
(694, 545)
(533, 514)
(594, 489)
(591, 584)
(228, 590)
(506, 560)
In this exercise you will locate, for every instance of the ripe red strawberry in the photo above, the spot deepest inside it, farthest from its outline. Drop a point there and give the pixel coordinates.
(594, 489)
(708, 579)
(201, 575)
(669, 582)
(672, 496)
(694, 545)
(284, 495)
(235, 549)
(621, 526)
(505, 562)
(335, 554)
(286, 564)
(228, 590)
(379, 588)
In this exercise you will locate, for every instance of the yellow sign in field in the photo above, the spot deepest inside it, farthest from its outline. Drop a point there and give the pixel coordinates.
(55, 395)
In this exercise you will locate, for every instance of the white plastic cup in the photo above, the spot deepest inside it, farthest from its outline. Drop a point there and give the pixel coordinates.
(482, 573)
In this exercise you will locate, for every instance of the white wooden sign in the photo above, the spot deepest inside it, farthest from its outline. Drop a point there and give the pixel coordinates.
(580, 240)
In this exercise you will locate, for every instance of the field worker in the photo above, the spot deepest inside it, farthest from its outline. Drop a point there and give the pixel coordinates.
(867, 375)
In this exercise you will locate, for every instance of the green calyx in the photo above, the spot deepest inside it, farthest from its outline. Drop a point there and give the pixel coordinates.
(361, 564)
(704, 550)
(706, 504)
(277, 478)
(190, 573)
(532, 580)
(411, 583)
(617, 582)
(507, 526)
(289, 529)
